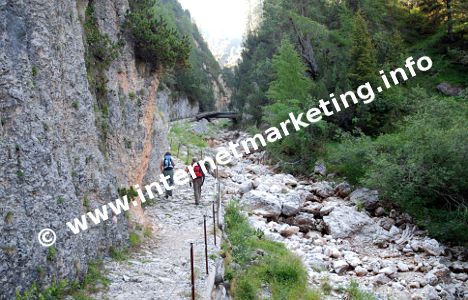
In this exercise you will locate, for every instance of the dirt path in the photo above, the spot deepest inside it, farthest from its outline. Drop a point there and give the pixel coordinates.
(161, 268)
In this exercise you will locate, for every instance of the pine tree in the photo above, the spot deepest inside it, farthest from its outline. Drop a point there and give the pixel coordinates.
(290, 83)
(363, 58)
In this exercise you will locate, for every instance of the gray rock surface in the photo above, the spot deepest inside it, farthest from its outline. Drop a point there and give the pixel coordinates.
(448, 89)
(369, 198)
(343, 223)
(60, 154)
(262, 203)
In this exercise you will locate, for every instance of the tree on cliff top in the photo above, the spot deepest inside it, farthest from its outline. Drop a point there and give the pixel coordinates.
(156, 42)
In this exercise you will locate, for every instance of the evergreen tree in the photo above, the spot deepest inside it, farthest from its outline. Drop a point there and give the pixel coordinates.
(290, 82)
(363, 57)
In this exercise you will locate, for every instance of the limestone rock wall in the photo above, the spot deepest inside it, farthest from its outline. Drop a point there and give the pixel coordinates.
(54, 163)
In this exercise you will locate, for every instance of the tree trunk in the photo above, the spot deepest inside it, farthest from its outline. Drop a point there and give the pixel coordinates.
(449, 20)
(307, 51)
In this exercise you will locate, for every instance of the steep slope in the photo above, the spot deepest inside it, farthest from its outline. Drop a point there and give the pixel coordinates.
(80, 118)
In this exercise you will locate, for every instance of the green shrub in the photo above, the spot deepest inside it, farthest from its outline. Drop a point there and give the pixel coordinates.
(118, 254)
(355, 293)
(51, 253)
(76, 104)
(134, 239)
(9, 217)
(421, 167)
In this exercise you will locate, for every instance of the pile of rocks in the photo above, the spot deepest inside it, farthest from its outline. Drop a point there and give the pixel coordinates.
(343, 234)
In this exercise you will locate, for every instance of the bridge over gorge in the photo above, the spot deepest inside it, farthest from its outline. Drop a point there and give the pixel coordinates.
(218, 115)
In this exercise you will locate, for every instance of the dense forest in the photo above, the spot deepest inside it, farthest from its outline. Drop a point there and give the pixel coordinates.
(411, 142)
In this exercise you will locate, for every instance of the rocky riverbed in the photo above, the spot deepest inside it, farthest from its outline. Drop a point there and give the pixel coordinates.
(344, 234)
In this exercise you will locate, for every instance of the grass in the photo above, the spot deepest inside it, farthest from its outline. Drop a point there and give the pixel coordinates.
(135, 239)
(182, 133)
(8, 217)
(51, 253)
(147, 232)
(276, 269)
(326, 286)
(93, 281)
(60, 200)
(254, 265)
(118, 254)
(354, 293)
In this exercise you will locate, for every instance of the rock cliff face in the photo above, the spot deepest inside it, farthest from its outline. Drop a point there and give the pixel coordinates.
(55, 161)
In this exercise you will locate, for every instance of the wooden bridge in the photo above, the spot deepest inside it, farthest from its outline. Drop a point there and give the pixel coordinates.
(218, 115)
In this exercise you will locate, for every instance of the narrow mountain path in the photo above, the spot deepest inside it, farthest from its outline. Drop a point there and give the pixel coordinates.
(160, 269)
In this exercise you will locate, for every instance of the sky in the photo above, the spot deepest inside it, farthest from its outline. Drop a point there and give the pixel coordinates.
(218, 19)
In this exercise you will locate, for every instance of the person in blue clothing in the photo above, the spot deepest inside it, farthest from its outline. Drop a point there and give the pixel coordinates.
(167, 168)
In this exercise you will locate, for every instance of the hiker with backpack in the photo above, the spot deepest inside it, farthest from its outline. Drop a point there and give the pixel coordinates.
(167, 168)
(198, 181)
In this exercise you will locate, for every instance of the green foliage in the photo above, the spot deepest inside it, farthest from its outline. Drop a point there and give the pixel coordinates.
(289, 92)
(278, 270)
(118, 254)
(131, 193)
(325, 286)
(51, 253)
(8, 217)
(156, 42)
(34, 71)
(86, 203)
(419, 167)
(147, 232)
(183, 135)
(290, 82)
(355, 293)
(92, 282)
(76, 104)
(134, 239)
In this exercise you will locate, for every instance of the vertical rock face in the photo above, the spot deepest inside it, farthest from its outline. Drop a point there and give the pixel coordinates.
(55, 162)
(176, 108)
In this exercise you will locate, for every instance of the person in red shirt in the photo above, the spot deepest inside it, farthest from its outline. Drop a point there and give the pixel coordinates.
(198, 180)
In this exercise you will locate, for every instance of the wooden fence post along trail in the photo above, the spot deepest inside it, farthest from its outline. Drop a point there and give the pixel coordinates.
(206, 243)
(214, 223)
(192, 271)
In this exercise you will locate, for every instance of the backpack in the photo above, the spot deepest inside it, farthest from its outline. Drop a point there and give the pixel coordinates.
(198, 171)
(167, 162)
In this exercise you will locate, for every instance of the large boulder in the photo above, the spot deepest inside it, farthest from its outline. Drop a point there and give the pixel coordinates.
(430, 246)
(343, 190)
(291, 203)
(304, 221)
(340, 266)
(246, 187)
(288, 231)
(262, 203)
(448, 89)
(322, 189)
(368, 198)
(312, 207)
(343, 222)
(320, 169)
